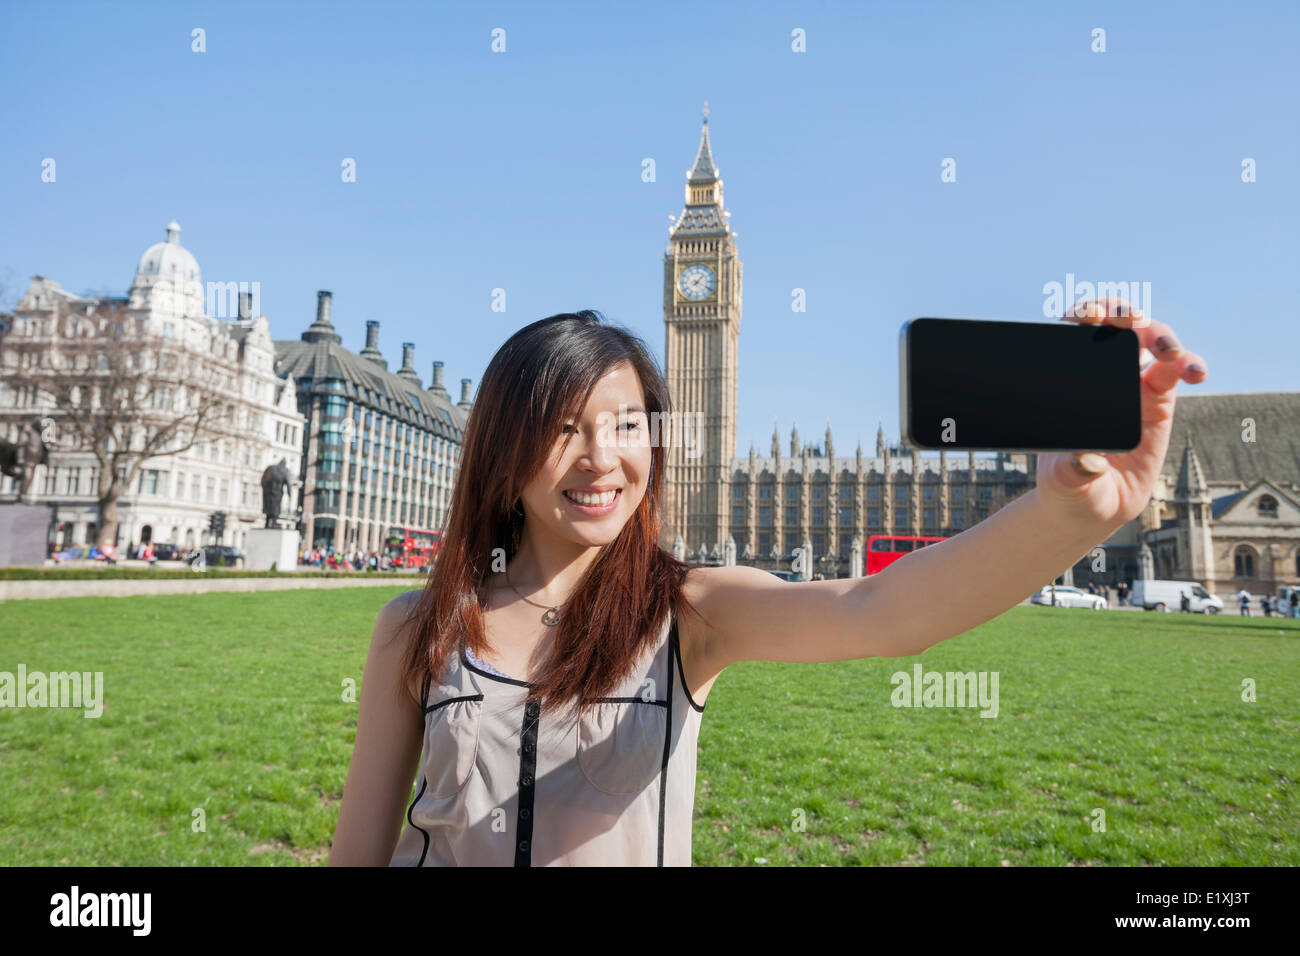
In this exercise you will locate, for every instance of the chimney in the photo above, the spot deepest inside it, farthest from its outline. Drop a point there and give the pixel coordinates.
(437, 376)
(407, 371)
(245, 305)
(321, 330)
(371, 351)
(465, 400)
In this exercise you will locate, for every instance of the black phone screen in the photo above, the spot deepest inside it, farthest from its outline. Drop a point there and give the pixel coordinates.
(977, 384)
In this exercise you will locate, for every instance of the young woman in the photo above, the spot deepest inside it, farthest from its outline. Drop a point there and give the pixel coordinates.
(544, 690)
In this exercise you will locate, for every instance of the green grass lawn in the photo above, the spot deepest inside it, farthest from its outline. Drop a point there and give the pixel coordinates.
(232, 703)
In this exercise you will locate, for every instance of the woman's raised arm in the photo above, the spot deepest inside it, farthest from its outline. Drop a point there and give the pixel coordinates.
(947, 588)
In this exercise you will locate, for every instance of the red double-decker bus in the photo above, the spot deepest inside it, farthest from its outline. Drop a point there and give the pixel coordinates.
(412, 547)
(884, 549)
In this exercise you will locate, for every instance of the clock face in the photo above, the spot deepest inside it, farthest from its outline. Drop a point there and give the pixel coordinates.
(697, 281)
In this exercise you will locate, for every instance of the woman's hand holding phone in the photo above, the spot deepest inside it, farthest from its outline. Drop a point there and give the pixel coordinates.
(1111, 489)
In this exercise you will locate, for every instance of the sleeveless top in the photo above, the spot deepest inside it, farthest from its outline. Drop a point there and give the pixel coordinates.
(504, 785)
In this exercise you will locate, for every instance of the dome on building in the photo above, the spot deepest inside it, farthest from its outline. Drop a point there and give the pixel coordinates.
(169, 259)
(167, 281)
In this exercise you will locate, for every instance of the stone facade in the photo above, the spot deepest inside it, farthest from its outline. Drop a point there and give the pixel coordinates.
(174, 495)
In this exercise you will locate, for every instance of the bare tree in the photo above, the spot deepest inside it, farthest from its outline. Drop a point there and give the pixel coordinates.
(112, 385)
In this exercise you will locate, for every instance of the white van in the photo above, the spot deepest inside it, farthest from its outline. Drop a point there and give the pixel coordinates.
(1153, 595)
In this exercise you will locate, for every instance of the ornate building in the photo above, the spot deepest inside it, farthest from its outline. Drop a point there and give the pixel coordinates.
(380, 450)
(721, 508)
(174, 495)
(1226, 511)
(702, 305)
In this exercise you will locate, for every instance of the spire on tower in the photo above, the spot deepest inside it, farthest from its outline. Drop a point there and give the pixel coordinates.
(704, 171)
(1191, 481)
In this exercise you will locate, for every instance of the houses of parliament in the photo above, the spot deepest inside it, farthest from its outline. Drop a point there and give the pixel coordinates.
(722, 508)
(1224, 512)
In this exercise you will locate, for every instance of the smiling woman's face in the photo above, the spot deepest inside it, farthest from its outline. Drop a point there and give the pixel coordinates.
(587, 491)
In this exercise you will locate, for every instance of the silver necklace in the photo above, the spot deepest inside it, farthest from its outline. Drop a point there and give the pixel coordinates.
(550, 617)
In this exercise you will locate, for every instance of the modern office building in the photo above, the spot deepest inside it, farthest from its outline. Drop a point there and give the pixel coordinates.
(380, 449)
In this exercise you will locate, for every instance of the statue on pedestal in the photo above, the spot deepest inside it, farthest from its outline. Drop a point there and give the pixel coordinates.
(19, 459)
(275, 479)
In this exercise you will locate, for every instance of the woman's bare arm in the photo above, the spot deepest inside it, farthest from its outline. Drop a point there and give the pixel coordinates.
(390, 731)
(940, 591)
(947, 588)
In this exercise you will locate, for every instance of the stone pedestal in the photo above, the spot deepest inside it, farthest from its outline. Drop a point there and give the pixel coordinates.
(267, 546)
(24, 534)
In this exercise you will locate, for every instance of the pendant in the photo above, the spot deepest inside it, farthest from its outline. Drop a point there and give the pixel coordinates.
(551, 617)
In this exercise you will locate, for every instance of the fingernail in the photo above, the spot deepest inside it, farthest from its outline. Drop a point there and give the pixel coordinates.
(1196, 367)
(1164, 343)
(1090, 463)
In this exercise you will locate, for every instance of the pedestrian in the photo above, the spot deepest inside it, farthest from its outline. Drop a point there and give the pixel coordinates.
(1266, 602)
(1186, 601)
(1243, 596)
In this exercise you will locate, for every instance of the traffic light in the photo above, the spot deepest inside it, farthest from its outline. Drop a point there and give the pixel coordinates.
(219, 523)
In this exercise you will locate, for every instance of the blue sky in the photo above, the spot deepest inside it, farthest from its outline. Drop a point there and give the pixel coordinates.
(522, 170)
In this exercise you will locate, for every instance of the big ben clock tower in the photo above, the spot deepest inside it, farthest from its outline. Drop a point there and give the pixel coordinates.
(702, 283)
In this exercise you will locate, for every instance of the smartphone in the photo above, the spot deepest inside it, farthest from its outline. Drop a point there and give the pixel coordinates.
(983, 384)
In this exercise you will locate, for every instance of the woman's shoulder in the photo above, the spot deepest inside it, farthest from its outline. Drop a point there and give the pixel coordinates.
(395, 613)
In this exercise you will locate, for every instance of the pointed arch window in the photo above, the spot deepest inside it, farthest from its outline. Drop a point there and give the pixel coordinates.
(1243, 562)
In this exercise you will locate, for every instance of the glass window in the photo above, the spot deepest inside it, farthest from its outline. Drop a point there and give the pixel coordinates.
(792, 516)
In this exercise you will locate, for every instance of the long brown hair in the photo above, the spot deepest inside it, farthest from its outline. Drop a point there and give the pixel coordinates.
(541, 377)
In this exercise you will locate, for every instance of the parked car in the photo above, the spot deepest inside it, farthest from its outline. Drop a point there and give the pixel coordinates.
(222, 556)
(1157, 595)
(785, 575)
(168, 552)
(1069, 597)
